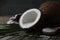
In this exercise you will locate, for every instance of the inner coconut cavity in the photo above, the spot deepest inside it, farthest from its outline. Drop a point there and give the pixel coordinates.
(29, 18)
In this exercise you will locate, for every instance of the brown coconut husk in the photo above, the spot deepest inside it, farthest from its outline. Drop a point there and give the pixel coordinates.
(50, 13)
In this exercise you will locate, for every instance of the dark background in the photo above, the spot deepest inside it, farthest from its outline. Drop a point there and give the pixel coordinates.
(12, 7)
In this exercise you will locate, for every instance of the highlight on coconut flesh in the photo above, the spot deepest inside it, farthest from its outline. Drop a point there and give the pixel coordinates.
(29, 18)
(51, 10)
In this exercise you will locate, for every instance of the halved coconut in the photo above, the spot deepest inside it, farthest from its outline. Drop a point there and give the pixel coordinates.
(30, 19)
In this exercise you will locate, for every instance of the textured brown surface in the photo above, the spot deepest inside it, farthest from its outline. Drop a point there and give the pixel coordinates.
(4, 19)
(50, 7)
(50, 12)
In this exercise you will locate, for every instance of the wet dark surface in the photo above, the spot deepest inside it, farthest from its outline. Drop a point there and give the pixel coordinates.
(14, 32)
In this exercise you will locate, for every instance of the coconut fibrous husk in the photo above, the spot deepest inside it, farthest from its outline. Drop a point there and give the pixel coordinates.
(51, 12)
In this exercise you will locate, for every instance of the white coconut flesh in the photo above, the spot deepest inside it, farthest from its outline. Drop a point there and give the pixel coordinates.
(29, 18)
(48, 30)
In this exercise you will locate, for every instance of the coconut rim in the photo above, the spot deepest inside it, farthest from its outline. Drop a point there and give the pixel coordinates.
(36, 20)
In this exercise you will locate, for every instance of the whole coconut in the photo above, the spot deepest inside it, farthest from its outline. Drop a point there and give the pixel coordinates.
(50, 13)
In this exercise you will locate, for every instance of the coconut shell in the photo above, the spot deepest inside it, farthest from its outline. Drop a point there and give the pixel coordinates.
(17, 17)
(14, 19)
(38, 26)
(51, 10)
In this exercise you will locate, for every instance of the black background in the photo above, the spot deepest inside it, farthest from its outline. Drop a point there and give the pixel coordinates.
(12, 7)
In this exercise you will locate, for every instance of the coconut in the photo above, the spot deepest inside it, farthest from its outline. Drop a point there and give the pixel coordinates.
(30, 19)
(14, 19)
(51, 10)
(48, 12)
